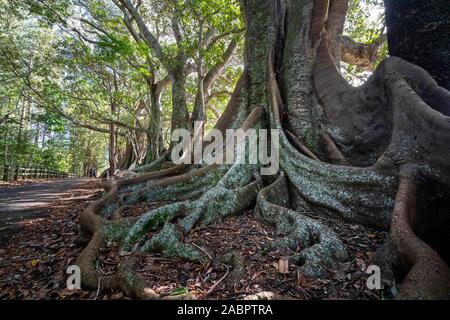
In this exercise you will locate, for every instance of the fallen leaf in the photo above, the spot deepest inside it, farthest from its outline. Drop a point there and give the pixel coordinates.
(34, 262)
(282, 266)
(179, 291)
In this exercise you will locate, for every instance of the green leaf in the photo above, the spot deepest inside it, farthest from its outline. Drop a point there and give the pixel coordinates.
(179, 291)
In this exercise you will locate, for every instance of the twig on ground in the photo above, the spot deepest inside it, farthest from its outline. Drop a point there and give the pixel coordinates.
(98, 288)
(215, 285)
(206, 253)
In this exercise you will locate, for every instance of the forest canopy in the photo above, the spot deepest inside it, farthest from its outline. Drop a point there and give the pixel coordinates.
(72, 72)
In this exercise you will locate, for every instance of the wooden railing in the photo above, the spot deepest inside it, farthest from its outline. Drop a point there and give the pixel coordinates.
(34, 173)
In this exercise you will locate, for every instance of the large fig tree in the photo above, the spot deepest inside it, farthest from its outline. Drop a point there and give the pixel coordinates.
(376, 155)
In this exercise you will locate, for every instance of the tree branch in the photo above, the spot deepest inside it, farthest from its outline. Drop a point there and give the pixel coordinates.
(217, 70)
(360, 54)
(148, 37)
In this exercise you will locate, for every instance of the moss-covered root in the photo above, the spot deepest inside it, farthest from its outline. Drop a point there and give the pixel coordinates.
(126, 279)
(215, 204)
(232, 194)
(150, 221)
(159, 191)
(155, 165)
(320, 246)
(168, 241)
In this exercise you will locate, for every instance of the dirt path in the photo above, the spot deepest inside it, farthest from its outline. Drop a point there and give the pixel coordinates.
(38, 229)
(33, 201)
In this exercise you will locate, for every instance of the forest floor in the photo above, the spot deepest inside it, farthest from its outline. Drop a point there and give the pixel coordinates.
(39, 225)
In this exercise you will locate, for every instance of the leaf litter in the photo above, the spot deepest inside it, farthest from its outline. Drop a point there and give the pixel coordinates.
(33, 263)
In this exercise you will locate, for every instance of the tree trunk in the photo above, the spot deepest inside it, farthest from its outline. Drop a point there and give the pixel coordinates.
(154, 125)
(180, 114)
(199, 113)
(419, 32)
(112, 143)
(111, 149)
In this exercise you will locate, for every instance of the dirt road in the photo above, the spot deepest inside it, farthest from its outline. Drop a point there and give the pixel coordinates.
(34, 201)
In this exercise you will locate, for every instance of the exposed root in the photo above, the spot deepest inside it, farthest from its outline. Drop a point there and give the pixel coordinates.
(234, 192)
(155, 165)
(231, 191)
(226, 198)
(300, 145)
(332, 150)
(358, 195)
(183, 187)
(168, 241)
(125, 279)
(237, 263)
(428, 276)
(218, 282)
(320, 247)
(86, 261)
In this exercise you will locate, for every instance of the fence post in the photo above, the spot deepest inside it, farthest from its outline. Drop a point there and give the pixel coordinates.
(34, 173)
(16, 173)
(5, 172)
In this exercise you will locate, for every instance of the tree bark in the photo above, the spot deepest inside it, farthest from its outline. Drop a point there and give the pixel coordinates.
(180, 114)
(112, 149)
(154, 130)
(360, 54)
(419, 32)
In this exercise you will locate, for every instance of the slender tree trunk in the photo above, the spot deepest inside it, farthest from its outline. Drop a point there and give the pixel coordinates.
(36, 134)
(154, 124)
(6, 148)
(112, 143)
(199, 113)
(180, 114)
(112, 148)
(21, 122)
